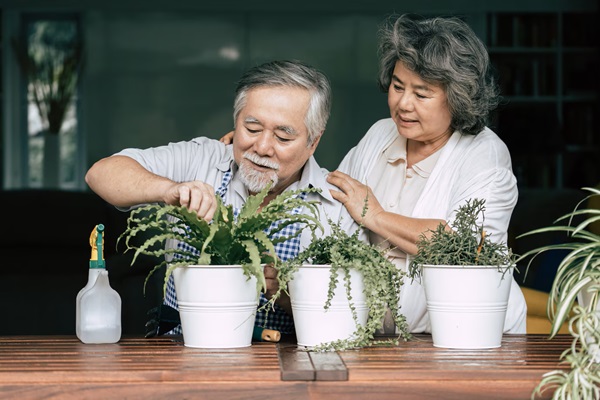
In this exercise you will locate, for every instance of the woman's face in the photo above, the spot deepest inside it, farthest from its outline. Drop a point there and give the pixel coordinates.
(419, 109)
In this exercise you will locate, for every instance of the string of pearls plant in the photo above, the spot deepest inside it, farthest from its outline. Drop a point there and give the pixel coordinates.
(382, 284)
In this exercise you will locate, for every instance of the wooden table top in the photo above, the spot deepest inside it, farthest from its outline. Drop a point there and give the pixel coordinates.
(61, 367)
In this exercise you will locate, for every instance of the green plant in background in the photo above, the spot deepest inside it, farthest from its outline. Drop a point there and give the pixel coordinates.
(52, 61)
(382, 283)
(579, 270)
(227, 239)
(465, 244)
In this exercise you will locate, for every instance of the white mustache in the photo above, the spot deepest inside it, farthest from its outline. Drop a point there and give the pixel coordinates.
(262, 161)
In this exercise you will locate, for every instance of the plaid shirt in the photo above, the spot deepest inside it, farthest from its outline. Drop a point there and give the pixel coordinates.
(277, 319)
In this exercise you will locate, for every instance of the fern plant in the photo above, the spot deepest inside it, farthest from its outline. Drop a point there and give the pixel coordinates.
(579, 270)
(247, 239)
(382, 283)
(465, 244)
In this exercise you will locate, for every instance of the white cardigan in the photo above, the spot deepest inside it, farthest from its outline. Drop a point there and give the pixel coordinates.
(468, 167)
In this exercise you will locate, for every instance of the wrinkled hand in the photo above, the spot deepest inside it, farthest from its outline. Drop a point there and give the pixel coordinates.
(196, 196)
(227, 139)
(272, 282)
(273, 286)
(352, 195)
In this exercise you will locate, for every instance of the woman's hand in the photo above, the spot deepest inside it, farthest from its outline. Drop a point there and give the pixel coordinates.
(352, 195)
(227, 139)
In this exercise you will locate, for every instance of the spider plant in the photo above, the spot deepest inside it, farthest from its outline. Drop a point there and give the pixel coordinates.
(578, 274)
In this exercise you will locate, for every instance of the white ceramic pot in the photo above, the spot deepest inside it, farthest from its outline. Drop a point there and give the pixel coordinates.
(466, 305)
(308, 293)
(217, 305)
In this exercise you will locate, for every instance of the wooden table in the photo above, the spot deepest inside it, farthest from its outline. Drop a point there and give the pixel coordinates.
(61, 367)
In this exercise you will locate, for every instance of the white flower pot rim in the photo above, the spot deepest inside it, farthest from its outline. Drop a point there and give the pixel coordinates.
(210, 266)
(467, 266)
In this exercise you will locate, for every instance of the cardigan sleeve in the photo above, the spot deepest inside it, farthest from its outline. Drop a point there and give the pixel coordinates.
(472, 167)
(486, 173)
(498, 187)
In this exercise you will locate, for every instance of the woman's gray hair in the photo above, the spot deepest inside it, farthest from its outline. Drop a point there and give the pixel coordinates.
(293, 74)
(447, 52)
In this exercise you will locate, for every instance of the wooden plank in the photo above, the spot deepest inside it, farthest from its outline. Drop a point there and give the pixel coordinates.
(258, 390)
(136, 368)
(58, 359)
(295, 363)
(425, 389)
(328, 366)
(521, 357)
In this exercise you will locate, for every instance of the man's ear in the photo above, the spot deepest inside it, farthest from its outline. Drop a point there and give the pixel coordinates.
(314, 144)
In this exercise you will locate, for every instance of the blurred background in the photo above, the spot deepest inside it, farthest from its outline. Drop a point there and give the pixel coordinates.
(82, 79)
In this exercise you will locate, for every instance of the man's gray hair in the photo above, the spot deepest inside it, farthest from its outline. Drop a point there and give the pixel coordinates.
(292, 74)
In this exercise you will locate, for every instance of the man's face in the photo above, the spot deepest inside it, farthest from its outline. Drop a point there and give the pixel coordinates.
(270, 140)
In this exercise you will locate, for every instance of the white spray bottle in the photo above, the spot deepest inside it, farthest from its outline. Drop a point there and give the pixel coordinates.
(98, 309)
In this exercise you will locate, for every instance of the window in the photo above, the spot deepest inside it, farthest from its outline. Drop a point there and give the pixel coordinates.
(49, 53)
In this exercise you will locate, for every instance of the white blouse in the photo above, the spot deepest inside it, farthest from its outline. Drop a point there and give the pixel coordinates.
(466, 167)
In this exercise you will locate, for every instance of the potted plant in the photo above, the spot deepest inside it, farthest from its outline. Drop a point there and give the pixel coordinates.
(231, 249)
(466, 280)
(577, 278)
(340, 288)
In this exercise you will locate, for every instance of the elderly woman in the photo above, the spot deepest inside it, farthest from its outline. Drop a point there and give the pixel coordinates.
(435, 151)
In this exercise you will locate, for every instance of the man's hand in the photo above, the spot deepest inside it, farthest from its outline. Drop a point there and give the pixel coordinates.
(196, 196)
(273, 286)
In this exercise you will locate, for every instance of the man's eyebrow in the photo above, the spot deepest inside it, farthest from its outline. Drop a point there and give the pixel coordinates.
(251, 120)
(288, 129)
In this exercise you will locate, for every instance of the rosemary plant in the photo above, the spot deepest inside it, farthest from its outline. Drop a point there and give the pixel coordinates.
(578, 270)
(465, 244)
(382, 283)
(247, 239)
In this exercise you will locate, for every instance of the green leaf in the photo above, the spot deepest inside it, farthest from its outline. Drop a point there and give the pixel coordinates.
(252, 204)
(255, 266)
(225, 240)
(381, 279)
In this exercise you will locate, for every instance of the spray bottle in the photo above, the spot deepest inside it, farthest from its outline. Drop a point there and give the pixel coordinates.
(98, 309)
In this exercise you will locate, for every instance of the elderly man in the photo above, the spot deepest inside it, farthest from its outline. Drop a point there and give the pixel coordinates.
(280, 112)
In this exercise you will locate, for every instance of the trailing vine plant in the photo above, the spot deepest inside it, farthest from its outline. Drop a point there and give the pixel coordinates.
(382, 283)
(248, 239)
